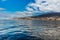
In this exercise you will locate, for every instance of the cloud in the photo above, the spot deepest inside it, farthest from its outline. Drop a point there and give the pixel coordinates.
(1, 9)
(45, 5)
(5, 15)
(19, 14)
(29, 9)
(38, 1)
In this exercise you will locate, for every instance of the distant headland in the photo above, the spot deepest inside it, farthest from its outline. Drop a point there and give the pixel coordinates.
(47, 16)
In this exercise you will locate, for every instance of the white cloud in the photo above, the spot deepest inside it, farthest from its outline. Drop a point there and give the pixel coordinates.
(29, 9)
(38, 1)
(5, 15)
(19, 14)
(53, 5)
(1, 9)
(46, 5)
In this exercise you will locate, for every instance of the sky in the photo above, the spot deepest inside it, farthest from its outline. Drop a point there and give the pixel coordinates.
(24, 8)
(14, 5)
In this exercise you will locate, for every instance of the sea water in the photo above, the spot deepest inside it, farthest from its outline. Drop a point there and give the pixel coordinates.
(24, 29)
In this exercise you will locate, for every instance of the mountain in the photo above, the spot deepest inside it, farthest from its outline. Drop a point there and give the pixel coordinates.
(48, 15)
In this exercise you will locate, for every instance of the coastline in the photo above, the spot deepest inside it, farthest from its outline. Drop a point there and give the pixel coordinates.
(40, 18)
